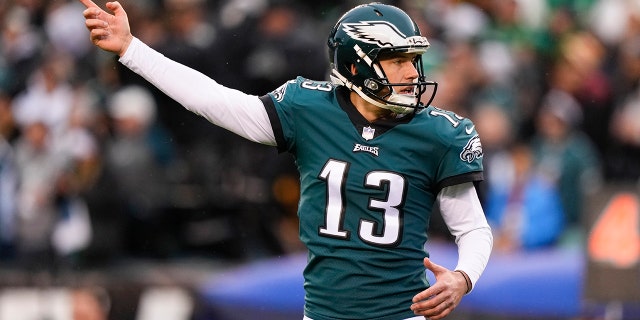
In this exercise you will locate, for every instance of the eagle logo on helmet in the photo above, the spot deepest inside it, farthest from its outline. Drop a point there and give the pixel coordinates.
(381, 33)
(472, 151)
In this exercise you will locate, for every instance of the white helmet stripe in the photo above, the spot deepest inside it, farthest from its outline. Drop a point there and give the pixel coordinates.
(368, 60)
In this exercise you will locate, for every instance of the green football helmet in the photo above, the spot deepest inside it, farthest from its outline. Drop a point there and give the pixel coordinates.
(359, 37)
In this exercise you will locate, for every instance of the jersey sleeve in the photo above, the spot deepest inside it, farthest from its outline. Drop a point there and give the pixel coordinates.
(281, 105)
(462, 161)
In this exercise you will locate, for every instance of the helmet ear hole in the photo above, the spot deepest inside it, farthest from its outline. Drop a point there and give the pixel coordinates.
(372, 85)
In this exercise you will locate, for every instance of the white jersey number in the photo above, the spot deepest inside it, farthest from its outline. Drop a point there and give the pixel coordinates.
(334, 174)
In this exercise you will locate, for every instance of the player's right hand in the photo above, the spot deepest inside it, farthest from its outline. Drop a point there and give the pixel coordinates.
(109, 32)
(440, 299)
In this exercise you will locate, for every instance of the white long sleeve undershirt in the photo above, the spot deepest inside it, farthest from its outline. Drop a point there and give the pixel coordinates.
(246, 116)
(236, 111)
(462, 212)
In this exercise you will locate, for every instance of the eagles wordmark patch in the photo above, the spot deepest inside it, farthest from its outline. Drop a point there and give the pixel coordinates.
(362, 148)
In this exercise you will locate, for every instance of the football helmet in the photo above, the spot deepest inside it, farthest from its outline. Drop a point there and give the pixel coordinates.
(358, 39)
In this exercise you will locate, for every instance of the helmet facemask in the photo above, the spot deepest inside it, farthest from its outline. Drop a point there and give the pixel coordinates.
(392, 96)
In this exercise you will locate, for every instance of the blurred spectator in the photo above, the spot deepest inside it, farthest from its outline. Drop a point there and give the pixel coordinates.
(39, 168)
(624, 148)
(60, 26)
(565, 155)
(561, 23)
(506, 35)
(237, 18)
(21, 45)
(610, 20)
(189, 35)
(48, 96)
(139, 155)
(286, 190)
(460, 79)
(522, 206)
(284, 50)
(8, 127)
(462, 21)
(55, 156)
(8, 181)
(508, 55)
(625, 129)
(497, 131)
(188, 23)
(79, 152)
(8, 200)
(580, 72)
(90, 304)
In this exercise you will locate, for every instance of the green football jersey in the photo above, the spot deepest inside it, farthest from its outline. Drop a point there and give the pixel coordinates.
(367, 191)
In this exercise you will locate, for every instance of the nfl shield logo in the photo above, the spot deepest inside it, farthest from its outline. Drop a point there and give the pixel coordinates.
(367, 133)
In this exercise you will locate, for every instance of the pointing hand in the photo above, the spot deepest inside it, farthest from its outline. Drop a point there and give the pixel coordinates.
(109, 32)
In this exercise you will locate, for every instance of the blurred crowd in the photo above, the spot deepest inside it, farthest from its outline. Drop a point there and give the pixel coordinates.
(96, 165)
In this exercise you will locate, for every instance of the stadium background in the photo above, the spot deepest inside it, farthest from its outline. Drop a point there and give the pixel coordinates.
(141, 210)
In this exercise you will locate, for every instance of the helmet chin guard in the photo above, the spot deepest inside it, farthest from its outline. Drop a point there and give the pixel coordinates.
(358, 39)
(395, 102)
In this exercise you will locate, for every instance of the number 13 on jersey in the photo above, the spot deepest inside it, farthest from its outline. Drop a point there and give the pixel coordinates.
(334, 174)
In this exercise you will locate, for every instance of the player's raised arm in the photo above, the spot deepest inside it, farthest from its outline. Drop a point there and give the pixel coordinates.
(231, 109)
(109, 32)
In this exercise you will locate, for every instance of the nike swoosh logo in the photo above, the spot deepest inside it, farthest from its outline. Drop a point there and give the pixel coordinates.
(468, 130)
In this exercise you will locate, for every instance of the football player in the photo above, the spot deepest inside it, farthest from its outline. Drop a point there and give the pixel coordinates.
(373, 160)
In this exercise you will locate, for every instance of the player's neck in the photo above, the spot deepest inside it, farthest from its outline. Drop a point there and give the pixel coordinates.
(369, 111)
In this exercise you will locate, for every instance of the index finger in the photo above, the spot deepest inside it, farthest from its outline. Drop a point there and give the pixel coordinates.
(89, 3)
(428, 293)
